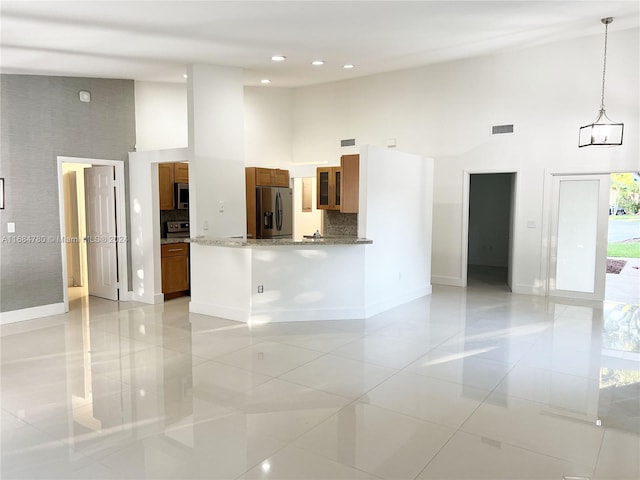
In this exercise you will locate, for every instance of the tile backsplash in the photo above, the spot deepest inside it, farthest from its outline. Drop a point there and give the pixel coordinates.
(340, 224)
(171, 216)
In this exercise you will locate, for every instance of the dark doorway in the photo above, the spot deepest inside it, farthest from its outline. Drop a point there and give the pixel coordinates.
(491, 199)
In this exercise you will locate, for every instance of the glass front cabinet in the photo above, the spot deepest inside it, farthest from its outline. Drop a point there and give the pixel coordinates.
(328, 186)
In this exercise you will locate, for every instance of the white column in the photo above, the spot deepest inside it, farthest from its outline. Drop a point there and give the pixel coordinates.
(215, 103)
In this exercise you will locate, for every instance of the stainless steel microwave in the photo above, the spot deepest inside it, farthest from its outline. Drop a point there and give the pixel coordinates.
(182, 196)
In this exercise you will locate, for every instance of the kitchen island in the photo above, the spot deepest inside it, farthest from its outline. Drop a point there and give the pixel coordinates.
(278, 280)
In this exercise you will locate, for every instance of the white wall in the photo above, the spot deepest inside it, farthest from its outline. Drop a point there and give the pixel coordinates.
(161, 115)
(396, 199)
(308, 283)
(446, 111)
(161, 121)
(221, 282)
(267, 126)
(301, 283)
(144, 205)
(215, 105)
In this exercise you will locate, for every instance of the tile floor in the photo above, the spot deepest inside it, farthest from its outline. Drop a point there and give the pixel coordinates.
(463, 384)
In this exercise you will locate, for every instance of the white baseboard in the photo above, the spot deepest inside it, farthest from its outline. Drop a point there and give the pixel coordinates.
(446, 280)
(524, 289)
(276, 315)
(220, 311)
(31, 313)
(152, 299)
(389, 303)
(307, 315)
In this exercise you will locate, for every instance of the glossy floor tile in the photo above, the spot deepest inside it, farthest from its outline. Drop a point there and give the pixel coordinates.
(473, 383)
(377, 440)
(472, 457)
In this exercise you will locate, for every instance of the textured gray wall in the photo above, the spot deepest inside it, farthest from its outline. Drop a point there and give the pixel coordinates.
(41, 118)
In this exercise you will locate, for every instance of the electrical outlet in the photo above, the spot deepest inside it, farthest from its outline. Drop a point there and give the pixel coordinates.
(260, 289)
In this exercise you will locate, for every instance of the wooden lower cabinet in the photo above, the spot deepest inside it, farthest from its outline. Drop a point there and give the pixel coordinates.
(175, 269)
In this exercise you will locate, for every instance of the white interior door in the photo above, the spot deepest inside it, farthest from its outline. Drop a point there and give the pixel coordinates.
(102, 256)
(578, 257)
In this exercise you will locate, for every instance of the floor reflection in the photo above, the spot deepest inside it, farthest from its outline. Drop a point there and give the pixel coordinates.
(124, 390)
(621, 329)
(619, 400)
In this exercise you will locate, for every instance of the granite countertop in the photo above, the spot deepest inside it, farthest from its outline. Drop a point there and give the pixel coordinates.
(168, 241)
(276, 242)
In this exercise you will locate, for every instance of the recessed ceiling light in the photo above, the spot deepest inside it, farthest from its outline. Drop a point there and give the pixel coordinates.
(265, 80)
(278, 58)
(348, 65)
(317, 62)
(185, 76)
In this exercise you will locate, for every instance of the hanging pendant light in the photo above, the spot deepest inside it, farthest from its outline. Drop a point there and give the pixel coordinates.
(603, 130)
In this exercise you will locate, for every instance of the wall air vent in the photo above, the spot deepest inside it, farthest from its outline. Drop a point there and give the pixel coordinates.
(348, 142)
(501, 129)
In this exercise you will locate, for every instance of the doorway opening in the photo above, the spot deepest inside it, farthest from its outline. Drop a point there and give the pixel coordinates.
(490, 230)
(75, 230)
(623, 239)
(92, 229)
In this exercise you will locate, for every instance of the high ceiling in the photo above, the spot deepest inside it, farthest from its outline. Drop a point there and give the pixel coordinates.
(155, 40)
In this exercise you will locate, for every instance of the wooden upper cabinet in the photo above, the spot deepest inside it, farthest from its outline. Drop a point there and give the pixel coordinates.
(166, 179)
(280, 178)
(271, 177)
(181, 172)
(349, 183)
(264, 176)
(338, 187)
(168, 175)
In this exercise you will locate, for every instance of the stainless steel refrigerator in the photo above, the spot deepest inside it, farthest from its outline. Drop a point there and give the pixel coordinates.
(274, 206)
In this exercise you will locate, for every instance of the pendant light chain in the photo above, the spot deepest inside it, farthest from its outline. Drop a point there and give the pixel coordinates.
(604, 67)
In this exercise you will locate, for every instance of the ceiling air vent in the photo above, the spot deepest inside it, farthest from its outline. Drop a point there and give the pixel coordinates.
(348, 142)
(501, 129)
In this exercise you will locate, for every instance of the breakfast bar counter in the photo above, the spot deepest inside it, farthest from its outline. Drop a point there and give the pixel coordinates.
(278, 242)
(279, 280)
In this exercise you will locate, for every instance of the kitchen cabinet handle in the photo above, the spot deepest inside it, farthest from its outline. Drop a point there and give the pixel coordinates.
(174, 250)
